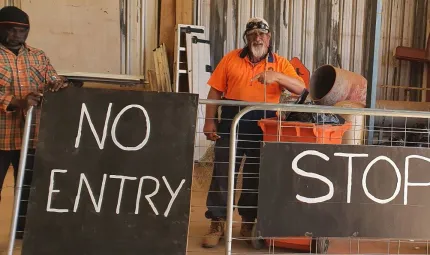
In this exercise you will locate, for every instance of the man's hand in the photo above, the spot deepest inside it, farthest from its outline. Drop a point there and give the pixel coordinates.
(292, 84)
(269, 76)
(57, 83)
(210, 130)
(33, 99)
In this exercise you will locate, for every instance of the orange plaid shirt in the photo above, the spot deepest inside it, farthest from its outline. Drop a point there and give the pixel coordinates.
(21, 74)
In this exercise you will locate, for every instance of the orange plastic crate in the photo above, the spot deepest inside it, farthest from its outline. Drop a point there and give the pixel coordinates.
(301, 132)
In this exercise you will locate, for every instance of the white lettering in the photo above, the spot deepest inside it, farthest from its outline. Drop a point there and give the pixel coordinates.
(115, 123)
(313, 175)
(97, 205)
(84, 111)
(173, 194)
(52, 190)
(364, 183)
(350, 156)
(411, 184)
(121, 188)
(148, 197)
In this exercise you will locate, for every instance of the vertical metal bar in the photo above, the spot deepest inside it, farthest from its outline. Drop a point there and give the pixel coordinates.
(128, 36)
(197, 13)
(252, 8)
(230, 198)
(374, 71)
(20, 179)
(231, 173)
(17, 3)
(122, 28)
(239, 19)
(142, 36)
(230, 26)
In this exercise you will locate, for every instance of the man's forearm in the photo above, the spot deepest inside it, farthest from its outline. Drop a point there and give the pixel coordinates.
(293, 85)
(211, 109)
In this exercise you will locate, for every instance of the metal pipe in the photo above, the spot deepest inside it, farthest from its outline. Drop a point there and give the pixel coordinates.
(320, 109)
(128, 35)
(20, 179)
(371, 101)
(252, 8)
(376, 46)
(238, 22)
(17, 3)
(230, 26)
(122, 28)
(197, 13)
(142, 37)
(232, 160)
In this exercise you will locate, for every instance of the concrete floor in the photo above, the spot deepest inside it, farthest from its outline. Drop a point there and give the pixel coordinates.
(199, 225)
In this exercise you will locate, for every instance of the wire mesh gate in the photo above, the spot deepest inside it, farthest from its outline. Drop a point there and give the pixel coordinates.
(392, 128)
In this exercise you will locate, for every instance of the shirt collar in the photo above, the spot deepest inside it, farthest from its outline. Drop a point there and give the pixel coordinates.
(244, 52)
(23, 48)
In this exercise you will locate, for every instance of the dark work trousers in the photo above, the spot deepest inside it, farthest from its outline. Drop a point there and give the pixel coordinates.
(12, 157)
(249, 141)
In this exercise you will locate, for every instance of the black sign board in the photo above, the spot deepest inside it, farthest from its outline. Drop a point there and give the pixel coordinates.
(344, 190)
(113, 172)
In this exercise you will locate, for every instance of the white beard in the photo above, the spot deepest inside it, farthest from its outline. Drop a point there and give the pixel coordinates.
(258, 51)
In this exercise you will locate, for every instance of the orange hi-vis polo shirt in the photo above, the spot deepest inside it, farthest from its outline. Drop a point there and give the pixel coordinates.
(234, 73)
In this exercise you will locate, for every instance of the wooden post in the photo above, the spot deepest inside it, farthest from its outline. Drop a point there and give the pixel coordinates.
(173, 12)
(167, 29)
(184, 12)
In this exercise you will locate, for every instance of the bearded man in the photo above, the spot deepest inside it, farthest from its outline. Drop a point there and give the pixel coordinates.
(251, 74)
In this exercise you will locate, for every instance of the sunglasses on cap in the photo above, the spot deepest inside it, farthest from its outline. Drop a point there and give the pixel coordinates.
(256, 25)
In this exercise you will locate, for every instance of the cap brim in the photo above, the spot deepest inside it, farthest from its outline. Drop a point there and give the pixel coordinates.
(265, 31)
(14, 23)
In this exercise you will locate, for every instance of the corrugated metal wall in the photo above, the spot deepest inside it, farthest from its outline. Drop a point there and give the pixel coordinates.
(405, 23)
(322, 32)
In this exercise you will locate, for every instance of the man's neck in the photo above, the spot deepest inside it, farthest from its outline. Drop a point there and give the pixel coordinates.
(254, 59)
(14, 49)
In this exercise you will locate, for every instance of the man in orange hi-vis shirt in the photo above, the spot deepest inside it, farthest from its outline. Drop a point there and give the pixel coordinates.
(241, 76)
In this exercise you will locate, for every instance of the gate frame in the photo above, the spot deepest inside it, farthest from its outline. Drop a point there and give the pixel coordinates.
(290, 108)
(233, 142)
(20, 179)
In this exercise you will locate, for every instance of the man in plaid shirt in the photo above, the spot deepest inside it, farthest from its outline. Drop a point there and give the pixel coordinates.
(25, 73)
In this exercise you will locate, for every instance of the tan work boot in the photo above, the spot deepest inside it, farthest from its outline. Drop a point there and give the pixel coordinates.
(216, 232)
(246, 229)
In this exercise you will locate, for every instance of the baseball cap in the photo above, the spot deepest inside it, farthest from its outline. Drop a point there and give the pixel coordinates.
(257, 23)
(11, 15)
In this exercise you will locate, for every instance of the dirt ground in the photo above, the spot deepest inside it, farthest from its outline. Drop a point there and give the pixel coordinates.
(199, 225)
